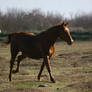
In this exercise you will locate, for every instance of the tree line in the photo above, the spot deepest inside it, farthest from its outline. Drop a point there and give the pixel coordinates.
(15, 20)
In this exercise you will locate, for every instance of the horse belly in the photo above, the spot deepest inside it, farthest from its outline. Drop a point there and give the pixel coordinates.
(33, 51)
(34, 54)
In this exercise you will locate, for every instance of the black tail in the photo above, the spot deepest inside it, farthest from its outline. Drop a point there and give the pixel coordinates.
(8, 40)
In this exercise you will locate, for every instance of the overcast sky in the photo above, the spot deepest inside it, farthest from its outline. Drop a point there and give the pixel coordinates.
(65, 7)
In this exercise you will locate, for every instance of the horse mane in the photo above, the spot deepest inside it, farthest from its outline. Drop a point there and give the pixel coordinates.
(50, 29)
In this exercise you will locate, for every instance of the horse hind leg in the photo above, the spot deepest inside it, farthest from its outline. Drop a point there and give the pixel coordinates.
(14, 53)
(20, 57)
(11, 66)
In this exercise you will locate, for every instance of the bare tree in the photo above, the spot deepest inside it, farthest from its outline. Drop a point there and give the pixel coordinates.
(18, 20)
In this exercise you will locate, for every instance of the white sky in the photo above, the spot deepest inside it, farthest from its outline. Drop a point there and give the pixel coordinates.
(65, 7)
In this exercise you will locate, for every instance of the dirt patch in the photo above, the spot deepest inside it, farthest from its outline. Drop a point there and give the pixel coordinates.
(78, 87)
(2, 58)
(22, 90)
(71, 67)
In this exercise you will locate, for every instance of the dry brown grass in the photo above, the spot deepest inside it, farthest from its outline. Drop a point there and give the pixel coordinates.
(71, 67)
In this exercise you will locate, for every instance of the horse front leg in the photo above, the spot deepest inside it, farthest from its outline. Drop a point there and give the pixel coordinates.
(42, 67)
(47, 63)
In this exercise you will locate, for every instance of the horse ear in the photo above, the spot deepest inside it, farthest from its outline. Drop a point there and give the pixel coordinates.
(65, 23)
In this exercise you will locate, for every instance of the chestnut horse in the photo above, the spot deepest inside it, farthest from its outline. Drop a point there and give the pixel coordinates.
(37, 46)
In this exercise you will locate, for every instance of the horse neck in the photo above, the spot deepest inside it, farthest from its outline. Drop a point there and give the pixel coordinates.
(52, 35)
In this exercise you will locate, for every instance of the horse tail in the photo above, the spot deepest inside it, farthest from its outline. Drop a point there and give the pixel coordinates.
(8, 40)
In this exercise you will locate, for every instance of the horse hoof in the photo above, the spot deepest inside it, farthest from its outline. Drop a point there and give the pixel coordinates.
(53, 81)
(10, 80)
(39, 78)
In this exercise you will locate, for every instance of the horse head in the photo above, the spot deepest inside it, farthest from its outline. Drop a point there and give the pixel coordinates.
(64, 33)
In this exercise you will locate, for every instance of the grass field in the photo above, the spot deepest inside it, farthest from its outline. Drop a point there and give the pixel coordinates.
(71, 68)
